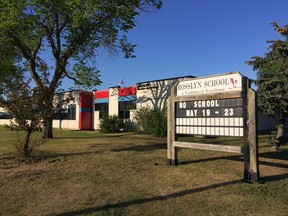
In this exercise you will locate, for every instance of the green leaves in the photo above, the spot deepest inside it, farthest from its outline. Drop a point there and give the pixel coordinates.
(272, 75)
(23, 104)
(68, 31)
(53, 36)
(84, 74)
(111, 124)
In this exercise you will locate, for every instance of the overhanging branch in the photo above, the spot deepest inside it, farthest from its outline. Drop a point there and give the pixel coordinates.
(73, 78)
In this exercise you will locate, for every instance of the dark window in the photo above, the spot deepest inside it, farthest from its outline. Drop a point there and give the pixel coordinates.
(71, 115)
(125, 107)
(124, 114)
(102, 108)
(4, 115)
(57, 114)
(66, 114)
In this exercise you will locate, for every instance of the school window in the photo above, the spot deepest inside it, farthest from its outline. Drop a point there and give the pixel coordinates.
(71, 112)
(124, 109)
(4, 115)
(68, 113)
(103, 109)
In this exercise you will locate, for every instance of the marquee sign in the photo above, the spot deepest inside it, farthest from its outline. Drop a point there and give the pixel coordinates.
(216, 117)
(221, 105)
(208, 85)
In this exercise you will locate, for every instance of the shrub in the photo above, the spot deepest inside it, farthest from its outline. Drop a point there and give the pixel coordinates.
(129, 125)
(158, 123)
(20, 143)
(111, 124)
(151, 121)
(142, 119)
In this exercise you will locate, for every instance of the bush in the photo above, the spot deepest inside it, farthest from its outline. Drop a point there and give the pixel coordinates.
(129, 125)
(151, 121)
(33, 144)
(111, 124)
(158, 123)
(142, 119)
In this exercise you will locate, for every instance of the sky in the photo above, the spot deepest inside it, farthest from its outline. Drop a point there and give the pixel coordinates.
(195, 37)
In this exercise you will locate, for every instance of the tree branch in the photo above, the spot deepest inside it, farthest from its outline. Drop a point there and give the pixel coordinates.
(73, 78)
(29, 56)
(51, 41)
(26, 52)
(34, 55)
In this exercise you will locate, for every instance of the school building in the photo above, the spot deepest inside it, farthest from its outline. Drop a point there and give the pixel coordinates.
(84, 110)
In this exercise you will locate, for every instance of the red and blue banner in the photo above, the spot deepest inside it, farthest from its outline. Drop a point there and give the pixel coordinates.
(101, 96)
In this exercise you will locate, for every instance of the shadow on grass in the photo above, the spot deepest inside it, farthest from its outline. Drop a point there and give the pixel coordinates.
(90, 136)
(54, 155)
(45, 156)
(274, 178)
(98, 148)
(146, 200)
(126, 204)
(279, 155)
(234, 158)
(71, 137)
(143, 148)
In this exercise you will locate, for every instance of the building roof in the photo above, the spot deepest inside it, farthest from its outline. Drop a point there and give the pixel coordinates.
(173, 78)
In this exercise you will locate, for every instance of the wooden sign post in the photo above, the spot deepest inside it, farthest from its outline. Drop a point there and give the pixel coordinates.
(222, 105)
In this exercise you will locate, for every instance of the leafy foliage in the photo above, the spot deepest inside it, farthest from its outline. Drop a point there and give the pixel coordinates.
(24, 106)
(20, 144)
(272, 73)
(69, 30)
(9, 65)
(272, 77)
(142, 119)
(60, 39)
(111, 124)
(151, 121)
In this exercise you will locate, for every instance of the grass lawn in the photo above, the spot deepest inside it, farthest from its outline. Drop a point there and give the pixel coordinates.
(87, 173)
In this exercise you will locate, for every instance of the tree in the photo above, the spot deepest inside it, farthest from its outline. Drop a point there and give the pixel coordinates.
(272, 77)
(25, 107)
(69, 33)
(15, 97)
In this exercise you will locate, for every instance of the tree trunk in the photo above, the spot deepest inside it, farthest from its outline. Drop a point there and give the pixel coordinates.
(47, 129)
(48, 97)
(26, 150)
(280, 132)
(280, 136)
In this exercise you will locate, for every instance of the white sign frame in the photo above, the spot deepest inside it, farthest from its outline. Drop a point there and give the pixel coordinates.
(209, 85)
(250, 146)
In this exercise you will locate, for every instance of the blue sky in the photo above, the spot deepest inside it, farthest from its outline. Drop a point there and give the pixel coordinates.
(195, 37)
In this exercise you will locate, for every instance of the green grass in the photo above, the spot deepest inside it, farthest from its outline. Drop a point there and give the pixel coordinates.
(87, 173)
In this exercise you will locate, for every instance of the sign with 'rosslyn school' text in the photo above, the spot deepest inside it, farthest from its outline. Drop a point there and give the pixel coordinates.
(210, 85)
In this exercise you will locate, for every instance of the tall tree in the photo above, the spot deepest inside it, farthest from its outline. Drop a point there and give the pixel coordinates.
(18, 99)
(69, 33)
(272, 77)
